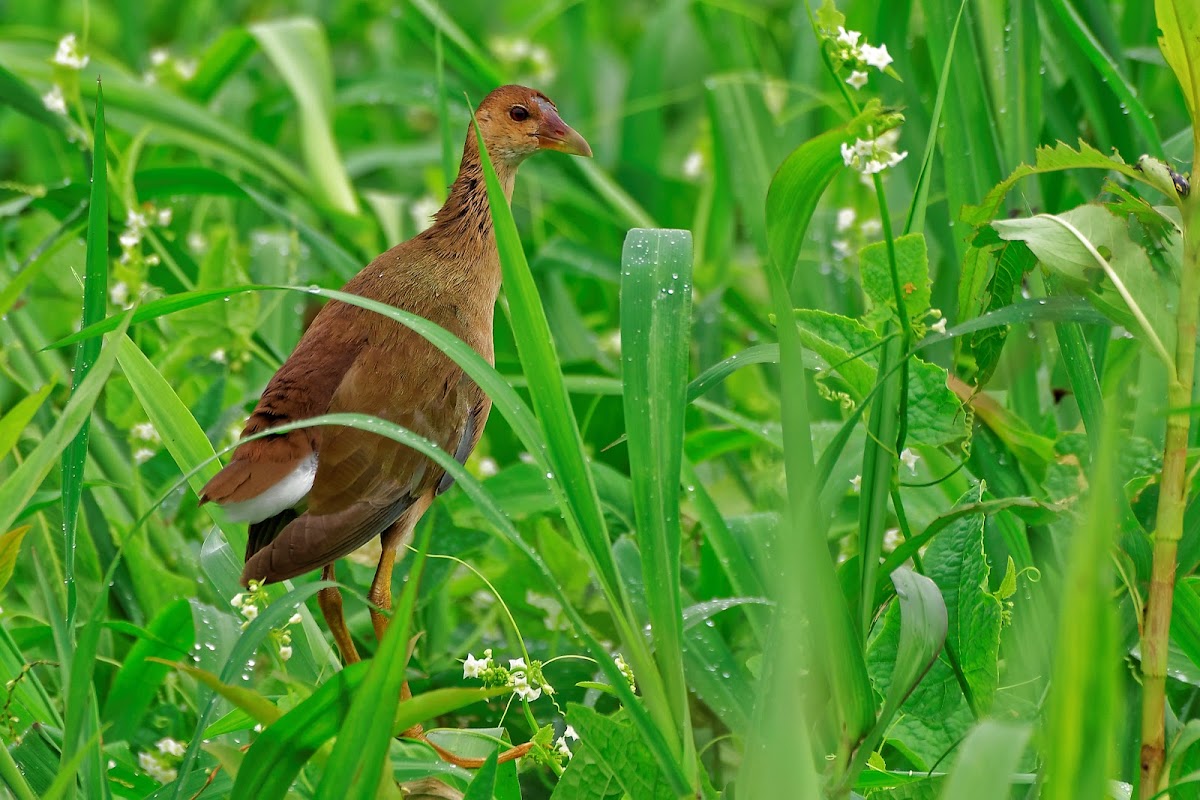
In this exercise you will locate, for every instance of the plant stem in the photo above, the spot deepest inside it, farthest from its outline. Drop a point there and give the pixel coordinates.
(1172, 501)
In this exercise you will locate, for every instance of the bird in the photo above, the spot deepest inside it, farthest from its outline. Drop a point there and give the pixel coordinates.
(314, 495)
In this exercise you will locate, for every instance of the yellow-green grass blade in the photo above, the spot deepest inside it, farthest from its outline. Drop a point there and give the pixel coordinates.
(95, 295)
(656, 306)
(14, 422)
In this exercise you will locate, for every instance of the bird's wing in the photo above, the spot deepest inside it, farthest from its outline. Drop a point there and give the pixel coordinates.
(364, 481)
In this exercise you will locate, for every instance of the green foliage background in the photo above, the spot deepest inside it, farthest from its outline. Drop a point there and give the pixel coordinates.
(283, 144)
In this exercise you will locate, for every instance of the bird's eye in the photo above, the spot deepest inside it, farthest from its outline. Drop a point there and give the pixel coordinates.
(519, 113)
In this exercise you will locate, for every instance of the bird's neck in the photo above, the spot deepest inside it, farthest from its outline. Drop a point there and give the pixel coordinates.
(466, 210)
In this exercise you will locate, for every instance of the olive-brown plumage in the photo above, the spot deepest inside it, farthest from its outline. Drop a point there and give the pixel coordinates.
(353, 485)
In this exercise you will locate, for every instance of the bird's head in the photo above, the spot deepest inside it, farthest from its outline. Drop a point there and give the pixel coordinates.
(517, 121)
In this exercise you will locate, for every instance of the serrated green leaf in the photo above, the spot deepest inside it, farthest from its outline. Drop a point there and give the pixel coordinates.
(1013, 261)
(958, 565)
(912, 269)
(615, 746)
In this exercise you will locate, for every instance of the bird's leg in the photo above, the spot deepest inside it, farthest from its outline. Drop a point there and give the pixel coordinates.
(330, 601)
(381, 601)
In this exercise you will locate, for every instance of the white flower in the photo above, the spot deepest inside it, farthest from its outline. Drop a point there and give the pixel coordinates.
(488, 467)
(196, 242)
(845, 219)
(891, 540)
(142, 455)
(237, 600)
(185, 68)
(422, 211)
(841, 248)
(249, 611)
(520, 686)
(54, 101)
(693, 164)
(164, 217)
(217, 355)
(135, 220)
(159, 56)
(68, 54)
(118, 293)
(145, 431)
(517, 663)
(130, 238)
(295, 619)
(170, 747)
(939, 326)
(876, 56)
(857, 79)
(561, 747)
(910, 459)
(870, 156)
(570, 733)
(856, 483)
(872, 228)
(848, 38)
(285, 652)
(474, 667)
(155, 768)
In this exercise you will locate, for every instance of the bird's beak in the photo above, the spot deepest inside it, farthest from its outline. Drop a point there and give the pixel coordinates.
(554, 134)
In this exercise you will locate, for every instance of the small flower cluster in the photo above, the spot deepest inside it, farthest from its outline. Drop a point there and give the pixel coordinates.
(67, 56)
(526, 680)
(849, 231)
(248, 603)
(164, 65)
(846, 50)
(626, 670)
(143, 434)
(161, 765)
(560, 745)
(525, 58)
(873, 155)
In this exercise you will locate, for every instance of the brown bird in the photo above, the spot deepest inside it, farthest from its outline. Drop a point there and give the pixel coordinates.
(314, 495)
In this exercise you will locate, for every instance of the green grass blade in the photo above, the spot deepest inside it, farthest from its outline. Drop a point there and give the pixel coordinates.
(1082, 704)
(271, 617)
(986, 761)
(565, 452)
(298, 49)
(95, 295)
(14, 422)
(360, 755)
(170, 635)
(483, 786)
(656, 304)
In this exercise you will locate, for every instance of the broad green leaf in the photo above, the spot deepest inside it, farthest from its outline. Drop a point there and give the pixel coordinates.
(614, 745)
(170, 636)
(922, 634)
(10, 548)
(935, 415)
(984, 766)
(298, 49)
(1179, 22)
(656, 305)
(587, 777)
(912, 269)
(1013, 261)
(958, 565)
(1139, 301)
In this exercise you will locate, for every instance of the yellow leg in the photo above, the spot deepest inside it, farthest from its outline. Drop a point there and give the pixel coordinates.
(381, 592)
(330, 601)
